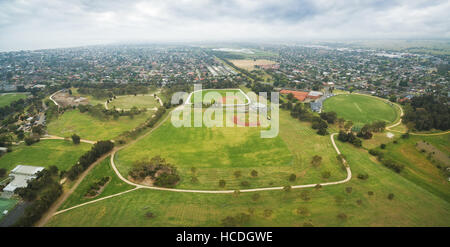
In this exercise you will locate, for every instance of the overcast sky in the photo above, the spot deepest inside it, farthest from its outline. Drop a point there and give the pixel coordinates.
(36, 24)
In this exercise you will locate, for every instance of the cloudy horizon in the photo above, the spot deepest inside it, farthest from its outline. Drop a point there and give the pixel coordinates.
(29, 25)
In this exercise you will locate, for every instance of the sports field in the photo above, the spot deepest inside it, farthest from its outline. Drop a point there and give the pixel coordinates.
(360, 109)
(7, 98)
(126, 102)
(249, 64)
(6, 204)
(217, 153)
(91, 128)
(226, 96)
(45, 153)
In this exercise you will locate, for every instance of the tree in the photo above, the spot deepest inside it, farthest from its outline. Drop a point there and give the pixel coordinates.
(292, 177)
(254, 173)
(316, 160)
(75, 139)
(222, 183)
(348, 125)
(2, 172)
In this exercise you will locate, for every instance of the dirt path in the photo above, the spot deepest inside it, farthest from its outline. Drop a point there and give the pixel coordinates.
(52, 137)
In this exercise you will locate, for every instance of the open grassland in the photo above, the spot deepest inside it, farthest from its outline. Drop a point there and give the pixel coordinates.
(115, 185)
(249, 64)
(227, 96)
(45, 153)
(412, 205)
(7, 98)
(140, 101)
(419, 167)
(360, 109)
(217, 153)
(91, 128)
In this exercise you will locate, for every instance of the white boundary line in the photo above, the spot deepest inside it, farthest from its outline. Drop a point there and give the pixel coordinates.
(188, 100)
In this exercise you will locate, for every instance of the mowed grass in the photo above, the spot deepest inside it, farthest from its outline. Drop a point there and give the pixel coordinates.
(91, 128)
(140, 101)
(206, 95)
(45, 153)
(217, 153)
(7, 98)
(360, 109)
(412, 205)
(115, 185)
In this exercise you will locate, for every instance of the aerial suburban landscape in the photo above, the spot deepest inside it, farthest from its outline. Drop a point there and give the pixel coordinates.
(311, 133)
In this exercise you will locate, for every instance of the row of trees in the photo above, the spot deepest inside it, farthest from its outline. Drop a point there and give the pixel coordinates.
(100, 148)
(43, 191)
(349, 137)
(427, 112)
(108, 90)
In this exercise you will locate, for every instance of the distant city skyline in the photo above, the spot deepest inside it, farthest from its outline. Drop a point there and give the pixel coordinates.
(29, 25)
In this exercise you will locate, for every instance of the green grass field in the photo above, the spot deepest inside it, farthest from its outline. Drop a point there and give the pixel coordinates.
(7, 98)
(45, 153)
(419, 169)
(216, 153)
(6, 204)
(360, 109)
(101, 170)
(91, 128)
(412, 205)
(140, 101)
(219, 95)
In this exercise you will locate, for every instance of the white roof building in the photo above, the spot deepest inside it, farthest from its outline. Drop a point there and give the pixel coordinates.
(21, 175)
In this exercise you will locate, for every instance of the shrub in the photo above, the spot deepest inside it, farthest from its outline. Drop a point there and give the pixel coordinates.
(383, 146)
(194, 180)
(326, 174)
(374, 152)
(245, 183)
(349, 189)
(287, 188)
(2, 172)
(342, 216)
(390, 196)
(302, 211)
(222, 183)
(237, 174)
(292, 177)
(267, 212)
(370, 193)
(237, 220)
(254, 173)
(363, 176)
(76, 139)
(393, 165)
(305, 196)
(255, 197)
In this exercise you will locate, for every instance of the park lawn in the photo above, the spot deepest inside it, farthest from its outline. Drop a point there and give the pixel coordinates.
(61, 153)
(7, 98)
(214, 93)
(103, 169)
(126, 102)
(379, 138)
(418, 168)
(91, 128)
(361, 109)
(216, 153)
(411, 206)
